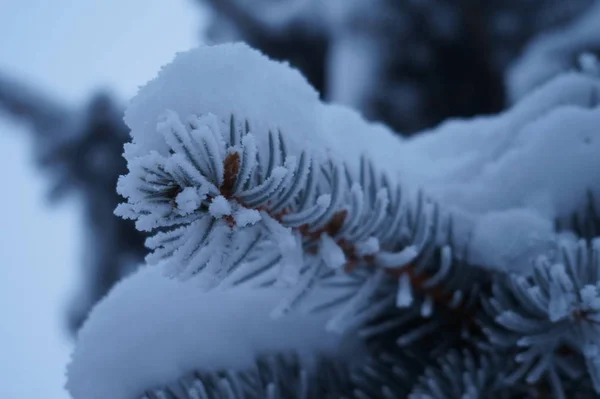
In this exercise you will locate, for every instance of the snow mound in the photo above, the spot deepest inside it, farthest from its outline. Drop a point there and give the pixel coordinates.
(223, 80)
(520, 171)
(537, 155)
(151, 330)
(554, 53)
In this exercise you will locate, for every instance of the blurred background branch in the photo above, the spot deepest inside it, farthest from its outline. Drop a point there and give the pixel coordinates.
(410, 64)
(81, 150)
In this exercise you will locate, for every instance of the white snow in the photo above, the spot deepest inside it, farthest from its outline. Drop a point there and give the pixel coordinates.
(427, 307)
(324, 200)
(397, 260)
(189, 199)
(554, 53)
(535, 161)
(368, 247)
(244, 216)
(151, 330)
(404, 296)
(331, 253)
(524, 169)
(289, 246)
(219, 207)
(510, 240)
(590, 297)
(224, 79)
(589, 63)
(537, 155)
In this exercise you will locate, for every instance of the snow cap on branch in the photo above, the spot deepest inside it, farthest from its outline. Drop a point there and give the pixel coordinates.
(234, 79)
(150, 330)
(223, 80)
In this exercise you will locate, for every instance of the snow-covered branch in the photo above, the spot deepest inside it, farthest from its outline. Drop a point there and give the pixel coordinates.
(228, 187)
(249, 182)
(552, 317)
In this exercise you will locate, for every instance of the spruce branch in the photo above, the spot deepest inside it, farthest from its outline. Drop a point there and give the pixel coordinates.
(403, 340)
(552, 318)
(439, 290)
(234, 212)
(448, 327)
(279, 376)
(222, 204)
(463, 374)
(388, 374)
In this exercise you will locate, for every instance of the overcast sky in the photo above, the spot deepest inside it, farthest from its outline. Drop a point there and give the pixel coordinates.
(66, 48)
